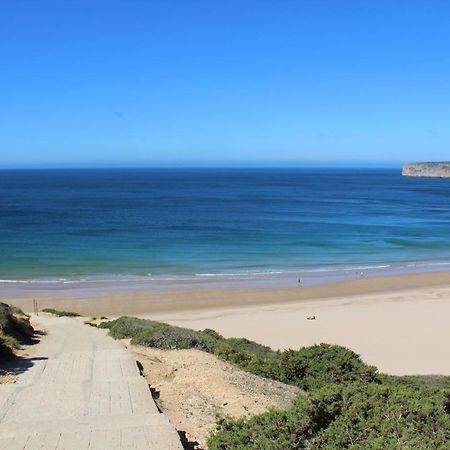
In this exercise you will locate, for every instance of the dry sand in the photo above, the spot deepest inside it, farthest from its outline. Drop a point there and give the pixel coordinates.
(403, 332)
(398, 323)
(196, 388)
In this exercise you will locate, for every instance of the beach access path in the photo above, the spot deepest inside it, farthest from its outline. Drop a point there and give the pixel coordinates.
(81, 390)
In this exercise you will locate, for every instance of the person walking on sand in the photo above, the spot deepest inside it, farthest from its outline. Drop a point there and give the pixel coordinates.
(299, 282)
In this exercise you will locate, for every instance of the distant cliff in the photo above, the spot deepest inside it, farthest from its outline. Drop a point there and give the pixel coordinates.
(427, 169)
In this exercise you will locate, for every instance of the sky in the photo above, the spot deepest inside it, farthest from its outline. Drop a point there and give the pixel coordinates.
(93, 83)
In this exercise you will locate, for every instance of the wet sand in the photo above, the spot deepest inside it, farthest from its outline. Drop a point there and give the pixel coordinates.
(398, 323)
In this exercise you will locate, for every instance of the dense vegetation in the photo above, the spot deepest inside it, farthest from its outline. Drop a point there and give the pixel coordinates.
(346, 416)
(348, 406)
(309, 367)
(57, 313)
(15, 329)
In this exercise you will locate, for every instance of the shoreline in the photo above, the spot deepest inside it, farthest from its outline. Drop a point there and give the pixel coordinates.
(397, 323)
(98, 302)
(313, 275)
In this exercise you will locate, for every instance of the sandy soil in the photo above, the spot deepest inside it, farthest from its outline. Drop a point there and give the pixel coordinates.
(196, 388)
(7, 377)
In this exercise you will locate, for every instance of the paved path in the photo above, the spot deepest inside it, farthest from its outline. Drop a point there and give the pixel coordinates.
(83, 391)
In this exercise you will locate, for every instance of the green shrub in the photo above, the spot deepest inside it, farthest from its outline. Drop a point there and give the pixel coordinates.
(14, 324)
(128, 327)
(236, 345)
(308, 368)
(7, 346)
(149, 333)
(418, 381)
(57, 313)
(247, 355)
(15, 329)
(167, 337)
(348, 406)
(355, 416)
(17, 311)
(319, 365)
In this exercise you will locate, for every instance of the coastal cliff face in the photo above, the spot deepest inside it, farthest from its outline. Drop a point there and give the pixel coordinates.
(430, 169)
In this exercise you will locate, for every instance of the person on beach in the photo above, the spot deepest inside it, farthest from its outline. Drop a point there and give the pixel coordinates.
(299, 282)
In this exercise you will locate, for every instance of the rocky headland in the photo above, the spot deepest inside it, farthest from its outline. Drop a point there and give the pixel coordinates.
(427, 169)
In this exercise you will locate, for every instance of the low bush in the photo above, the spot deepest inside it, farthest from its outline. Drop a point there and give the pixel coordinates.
(171, 338)
(353, 416)
(247, 355)
(14, 323)
(57, 313)
(308, 368)
(318, 365)
(149, 333)
(7, 347)
(348, 406)
(128, 327)
(15, 329)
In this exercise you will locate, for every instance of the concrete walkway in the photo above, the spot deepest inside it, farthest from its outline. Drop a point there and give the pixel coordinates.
(82, 391)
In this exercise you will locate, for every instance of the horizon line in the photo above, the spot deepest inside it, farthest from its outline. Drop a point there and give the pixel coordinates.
(208, 167)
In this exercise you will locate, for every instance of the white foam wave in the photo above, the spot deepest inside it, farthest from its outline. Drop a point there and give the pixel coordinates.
(322, 271)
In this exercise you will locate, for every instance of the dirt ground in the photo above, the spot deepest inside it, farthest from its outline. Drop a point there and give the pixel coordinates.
(196, 389)
(6, 377)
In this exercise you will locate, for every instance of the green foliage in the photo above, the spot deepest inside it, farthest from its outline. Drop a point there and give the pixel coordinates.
(348, 406)
(236, 345)
(128, 327)
(247, 355)
(418, 381)
(309, 368)
(15, 324)
(7, 346)
(15, 329)
(171, 338)
(355, 416)
(319, 365)
(55, 312)
(17, 311)
(149, 333)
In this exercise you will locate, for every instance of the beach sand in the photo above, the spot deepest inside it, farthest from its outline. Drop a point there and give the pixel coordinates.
(397, 323)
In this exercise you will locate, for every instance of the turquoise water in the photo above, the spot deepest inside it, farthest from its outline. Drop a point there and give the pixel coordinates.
(182, 224)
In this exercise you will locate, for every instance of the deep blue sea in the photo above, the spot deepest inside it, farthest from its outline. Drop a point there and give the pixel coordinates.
(163, 224)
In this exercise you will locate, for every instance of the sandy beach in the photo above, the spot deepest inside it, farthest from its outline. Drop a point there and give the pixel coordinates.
(398, 323)
(403, 333)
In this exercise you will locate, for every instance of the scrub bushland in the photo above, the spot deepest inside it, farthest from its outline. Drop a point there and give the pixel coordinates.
(348, 405)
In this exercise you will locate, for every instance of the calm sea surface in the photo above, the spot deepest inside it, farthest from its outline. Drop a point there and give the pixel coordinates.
(163, 224)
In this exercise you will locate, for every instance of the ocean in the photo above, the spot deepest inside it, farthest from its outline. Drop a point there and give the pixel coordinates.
(170, 224)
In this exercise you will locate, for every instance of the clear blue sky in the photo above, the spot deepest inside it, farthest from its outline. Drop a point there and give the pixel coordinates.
(301, 82)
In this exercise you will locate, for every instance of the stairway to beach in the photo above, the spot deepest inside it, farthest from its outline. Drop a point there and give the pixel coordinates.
(81, 390)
